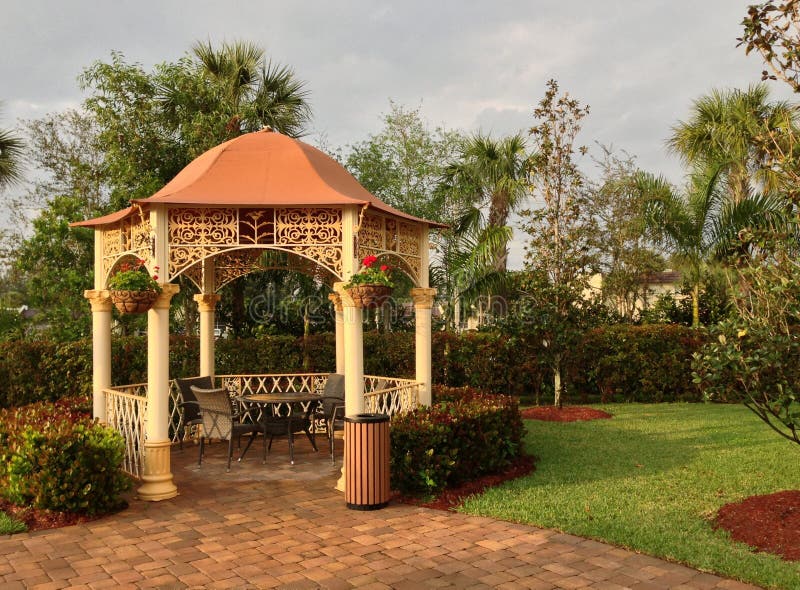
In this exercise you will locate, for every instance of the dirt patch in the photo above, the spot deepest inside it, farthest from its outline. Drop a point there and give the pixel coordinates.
(770, 523)
(451, 499)
(564, 414)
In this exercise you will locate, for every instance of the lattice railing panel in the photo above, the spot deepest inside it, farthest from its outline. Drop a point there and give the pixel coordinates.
(126, 407)
(388, 395)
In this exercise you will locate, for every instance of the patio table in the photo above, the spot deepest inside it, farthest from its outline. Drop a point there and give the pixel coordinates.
(269, 414)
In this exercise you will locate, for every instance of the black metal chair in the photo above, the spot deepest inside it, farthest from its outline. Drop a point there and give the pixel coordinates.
(219, 421)
(288, 426)
(190, 409)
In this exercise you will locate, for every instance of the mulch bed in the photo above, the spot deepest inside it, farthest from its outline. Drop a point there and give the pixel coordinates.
(564, 414)
(452, 498)
(38, 520)
(770, 523)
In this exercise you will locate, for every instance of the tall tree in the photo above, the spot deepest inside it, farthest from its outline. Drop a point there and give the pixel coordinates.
(559, 251)
(725, 127)
(11, 152)
(491, 174)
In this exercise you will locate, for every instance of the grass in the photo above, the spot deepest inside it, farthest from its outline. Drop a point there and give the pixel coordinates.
(9, 525)
(651, 479)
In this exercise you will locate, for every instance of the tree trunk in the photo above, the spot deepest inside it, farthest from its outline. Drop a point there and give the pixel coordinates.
(696, 306)
(558, 402)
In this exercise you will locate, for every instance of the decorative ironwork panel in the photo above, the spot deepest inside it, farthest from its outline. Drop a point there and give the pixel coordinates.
(202, 227)
(372, 234)
(308, 226)
(195, 234)
(257, 226)
(130, 237)
(393, 240)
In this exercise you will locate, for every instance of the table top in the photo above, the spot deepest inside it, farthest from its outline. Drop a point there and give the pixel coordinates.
(281, 397)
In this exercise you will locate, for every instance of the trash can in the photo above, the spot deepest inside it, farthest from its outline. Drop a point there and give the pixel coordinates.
(366, 452)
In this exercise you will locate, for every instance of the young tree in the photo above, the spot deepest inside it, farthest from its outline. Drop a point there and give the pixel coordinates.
(701, 225)
(403, 163)
(773, 30)
(627, 254)
(559, 251)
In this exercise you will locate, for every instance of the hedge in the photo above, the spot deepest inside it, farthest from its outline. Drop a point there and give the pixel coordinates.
(464, 435)
(650, 363)
(620, 363)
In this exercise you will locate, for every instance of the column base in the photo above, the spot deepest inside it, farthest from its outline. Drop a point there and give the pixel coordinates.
(157, 478)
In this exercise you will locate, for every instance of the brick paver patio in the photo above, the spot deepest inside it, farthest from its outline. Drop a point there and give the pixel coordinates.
(283, 526)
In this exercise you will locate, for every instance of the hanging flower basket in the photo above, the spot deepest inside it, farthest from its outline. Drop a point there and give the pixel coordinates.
(133, 301)
(369, 296)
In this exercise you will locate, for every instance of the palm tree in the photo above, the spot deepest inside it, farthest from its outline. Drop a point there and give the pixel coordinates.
(11, 151)
(254, 92)
(490, 174)
(729, 126)
(702, 225)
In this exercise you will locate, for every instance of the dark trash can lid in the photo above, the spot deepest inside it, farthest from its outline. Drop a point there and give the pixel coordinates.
(366, 418)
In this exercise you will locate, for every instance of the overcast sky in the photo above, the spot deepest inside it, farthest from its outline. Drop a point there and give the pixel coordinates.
(472, 65)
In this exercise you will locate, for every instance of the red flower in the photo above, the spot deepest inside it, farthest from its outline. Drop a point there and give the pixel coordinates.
(369, 261)
(384, 268)
(155, 277)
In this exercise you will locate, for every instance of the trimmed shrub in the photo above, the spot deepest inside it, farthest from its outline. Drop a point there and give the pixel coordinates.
(466, 435)
(55, 457)
(650, 363)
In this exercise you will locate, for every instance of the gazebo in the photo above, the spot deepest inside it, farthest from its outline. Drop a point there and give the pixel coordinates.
(211, 223)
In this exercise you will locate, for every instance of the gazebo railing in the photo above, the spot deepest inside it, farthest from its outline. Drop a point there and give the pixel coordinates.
(126, 404)
(126, 408)
(388, 395)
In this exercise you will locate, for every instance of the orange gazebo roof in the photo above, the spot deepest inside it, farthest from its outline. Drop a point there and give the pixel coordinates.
(262, 169)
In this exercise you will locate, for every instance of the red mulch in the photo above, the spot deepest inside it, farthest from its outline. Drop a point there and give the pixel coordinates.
(564, 414)
(452, 498)
(37, 520)
(770, 523)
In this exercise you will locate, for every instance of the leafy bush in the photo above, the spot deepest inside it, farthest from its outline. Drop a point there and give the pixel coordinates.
(464, 436)
(649, 363)
(55, 457)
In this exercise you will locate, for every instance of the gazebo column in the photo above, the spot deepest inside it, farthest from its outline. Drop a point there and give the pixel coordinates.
(100, 301)
(206, 304)
(157, 475)
(339, 318)
(423, 304)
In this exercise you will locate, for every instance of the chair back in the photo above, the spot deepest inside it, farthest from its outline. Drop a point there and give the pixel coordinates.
(185, 385)
(216, 410)
(333, 393)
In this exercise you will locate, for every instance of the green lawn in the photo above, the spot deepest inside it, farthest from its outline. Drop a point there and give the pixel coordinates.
(650, 479)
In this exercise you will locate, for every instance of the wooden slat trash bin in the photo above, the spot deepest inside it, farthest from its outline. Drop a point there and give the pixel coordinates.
(366, 452)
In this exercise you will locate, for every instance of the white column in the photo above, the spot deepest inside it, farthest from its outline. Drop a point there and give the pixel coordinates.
(353, 336)
(100, 301)
(157, 475)
(423, 302)
(206, 304)
(339, 311)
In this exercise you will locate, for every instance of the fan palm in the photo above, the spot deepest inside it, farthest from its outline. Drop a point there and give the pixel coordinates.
(11, 150)
(701, 226)
(728, 126)
(250, 92)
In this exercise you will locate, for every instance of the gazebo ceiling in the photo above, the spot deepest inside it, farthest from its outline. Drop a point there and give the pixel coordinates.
(262, 169)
